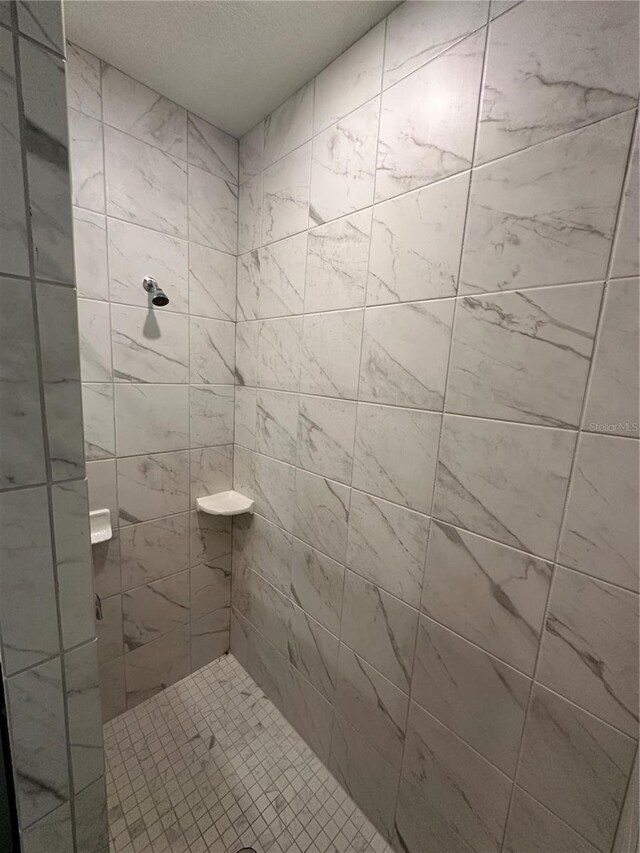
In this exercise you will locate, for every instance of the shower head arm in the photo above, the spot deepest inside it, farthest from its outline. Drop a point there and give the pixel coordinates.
(158, 296)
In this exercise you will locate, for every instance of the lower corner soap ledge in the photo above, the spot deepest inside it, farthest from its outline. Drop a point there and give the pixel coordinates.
(225, 503)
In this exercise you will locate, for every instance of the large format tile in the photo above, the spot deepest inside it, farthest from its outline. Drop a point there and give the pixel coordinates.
(477, 457)
(289, 125)
(277, 424)
(274, 490)
(87, 161)
(90, 254)
(213, 211)
(153, 485)
(278, 353)
(416, 241)
(212, 149)
(546, 215)
(151, 418)
(489, 593)
(524, 356)
(209, 537)
(154, 549)
(554, 68)
(101, 480)
(211, 471)
(286, 196)
(156, 665)
(210, 588)
(207, 642)
(313, 651)
(600, 530)
(281, 283)
(625, 254)
(94, 324)
(246, 364)
(533, 828)
(321, 514)
(149, 346)
(212, 283)
(244, 416)
(427, 121)
(109, 629)
(149, 612)
(211, 415)
(331, 353)
(575, 765)
(52, 832)
(211, 351)
(42, 21)
(85, 720)
(420, 828)
(83, 81)
(251, 153)
(316, 585)
(325, 436)
(92, 829)
(250, 214)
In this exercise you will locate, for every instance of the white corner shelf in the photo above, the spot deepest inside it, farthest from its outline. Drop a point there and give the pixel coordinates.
(100, 526)
(225, 503)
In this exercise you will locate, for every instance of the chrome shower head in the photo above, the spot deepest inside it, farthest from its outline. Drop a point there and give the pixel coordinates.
(158, 296)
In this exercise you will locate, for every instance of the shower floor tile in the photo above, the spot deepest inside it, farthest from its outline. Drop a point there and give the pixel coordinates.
(210, 764)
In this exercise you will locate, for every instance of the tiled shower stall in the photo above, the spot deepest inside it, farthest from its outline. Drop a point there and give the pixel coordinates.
(403, 319)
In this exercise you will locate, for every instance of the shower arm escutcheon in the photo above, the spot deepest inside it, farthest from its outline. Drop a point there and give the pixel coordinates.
(158, 296)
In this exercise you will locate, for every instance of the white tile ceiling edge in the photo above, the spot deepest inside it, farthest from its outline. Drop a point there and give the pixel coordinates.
(229, 61)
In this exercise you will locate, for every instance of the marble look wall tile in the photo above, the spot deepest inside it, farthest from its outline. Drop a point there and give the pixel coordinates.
(85, 720)
(244, 479)
(212, 149)
(534, 828)
(109, 629)
(404, 354)
(148, 612)
(22, 460)
(144, 185)
(154, 549)
(477, 457)
(582, 658)
(52, 832)
(207, 643)
(84, 87)
(282, 277)
(239, 638)
(382, 465)
(599, 534)
(42, 21)
(28, 599)
(576, 765)
(87, 161)
(246, 363)
(90, 254)
(95, 340)
(37, 716)
(267, 609)
(546, 215)
(488, 593)
(313, 651)
(245, 416)
(136, 252)
(211, 587)
(211, 415)
(148, 345)
(277, 425)
(92, 829)
(211, 471)
(321, 514)
(248, 285)
(421, 828)
(209, 537)
(213, 211)
(416, 243)
(101, 480)
(466, 794)
(372, 705)
(524, 356)
(251, 153)
(361, 65)
(325, 436)
(331, 353)
(278, 349)
(370, 780)
(416, 33)
(427, 122)
(625, 254)
(151, 418)
(381, 629)
(286, 196)
(106, 566)
(612, 404)
(274, 489)
(211, 345)
(627, 832)
(343, 165)
(388, 545)
(142, 113)
(151, 486)
(13, 222)
(264, 547)
(316, 585)
(337, 264)
(156, 665)
(288, 126)
(479, 698)
(552, 71)
(250, 214)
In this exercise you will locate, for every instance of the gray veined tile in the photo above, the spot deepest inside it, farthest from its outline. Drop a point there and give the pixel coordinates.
(546, 215)
(149, 612)
(489, 593)
(156, 665)
(245, 416)
(92, 829)
(313, 651)
(139, 111)
(42, 21)
(267, 609)
(582, 658)
(524, 356)
(95, 340)
(277, 424)
(554, 68)
(404, 354)
(533, 828)
(52, 832)
(337, 260)
(211, 415)
(289, 125)
(625, 254)
(343, 165)
(239, 638)
(84, 92)
(136, 252)
(207, 642)
(600, 530)
(85, 718)
(264, 547)
(274, 490)
(325, 434)
(211, 587)
(101, 480)
(151, 486)
(381, 629)
(251, 153)
(211, 471)
(145, 185)
(248, 285)
(479, 698)
(388, 545)
(316, 585)
(427, 121)
(396, 453)
(321, 514)
(478, 456)
(246, 364)
(212, 149)
(467, 795)
(418, 32)
(420, 828)
(151, 418)
(250, 214)
(244, 478)
(209, 537)
(148, 345)
(213, 211)
(278, 353)
(499, 7)
(281, 277)
(90, 254)
(106, 566)
(416, 242)
(575, 765)
(612, 404)
(211, 345)
(372, 705)
(627, 832)
(87, 161)
(331, 353)
(286, 196)
(154, 549)
(109, 629)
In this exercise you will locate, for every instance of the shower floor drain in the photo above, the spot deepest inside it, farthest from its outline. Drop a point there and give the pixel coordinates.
(246, 850)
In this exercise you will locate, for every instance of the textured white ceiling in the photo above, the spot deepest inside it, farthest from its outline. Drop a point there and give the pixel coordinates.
(229, 61)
